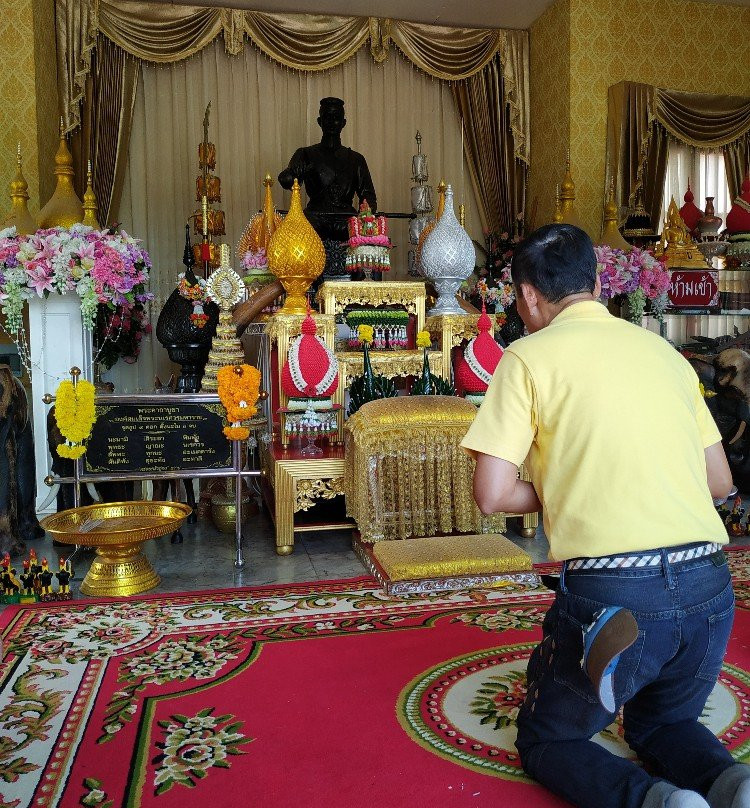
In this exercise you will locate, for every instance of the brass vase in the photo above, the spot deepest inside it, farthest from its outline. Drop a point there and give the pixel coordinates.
(296, 255)
(224, 508)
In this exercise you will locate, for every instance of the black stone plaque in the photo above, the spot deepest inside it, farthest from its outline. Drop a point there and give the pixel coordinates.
(157, 437)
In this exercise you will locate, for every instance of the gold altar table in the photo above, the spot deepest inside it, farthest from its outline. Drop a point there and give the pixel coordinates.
(335, 296)
(293, 483)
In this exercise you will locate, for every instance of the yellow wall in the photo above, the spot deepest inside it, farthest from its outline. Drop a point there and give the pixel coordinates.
(28, 99)
(28, 96)
(550, 108)
(679, 45)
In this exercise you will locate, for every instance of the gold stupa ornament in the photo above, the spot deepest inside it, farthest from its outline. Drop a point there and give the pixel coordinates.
(225, 288)
(611, 235)
(262, 226)
(296, 255)
(19, 216)
(64, 208)
(90, 203)
(676, 247)
(430, 226)
(568, 197)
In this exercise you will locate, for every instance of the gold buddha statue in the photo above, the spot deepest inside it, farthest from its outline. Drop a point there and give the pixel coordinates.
(676, 246)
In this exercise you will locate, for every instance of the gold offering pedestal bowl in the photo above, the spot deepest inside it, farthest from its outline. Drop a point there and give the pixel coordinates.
(117, 531)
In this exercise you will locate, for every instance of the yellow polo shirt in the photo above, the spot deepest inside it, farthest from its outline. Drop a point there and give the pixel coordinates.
(611, 423)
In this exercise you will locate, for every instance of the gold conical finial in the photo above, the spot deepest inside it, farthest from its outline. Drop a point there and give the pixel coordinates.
(64, 208)
(462, 215)
(557, 216)
(568, 187)
(611, 235)
(262, 226)
(89, 203)
(568, 196)
(19, 216)
(441, 199)
(269, 220)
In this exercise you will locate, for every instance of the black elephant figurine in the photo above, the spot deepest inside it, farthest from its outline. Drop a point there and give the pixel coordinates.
(728, 376)
(18, 521)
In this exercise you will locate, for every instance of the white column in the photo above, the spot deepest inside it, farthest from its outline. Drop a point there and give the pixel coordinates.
(58, 342)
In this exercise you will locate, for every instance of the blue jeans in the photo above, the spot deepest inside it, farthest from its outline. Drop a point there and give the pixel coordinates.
(684, 613)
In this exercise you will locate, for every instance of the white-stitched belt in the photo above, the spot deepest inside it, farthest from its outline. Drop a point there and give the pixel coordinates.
(651, 558)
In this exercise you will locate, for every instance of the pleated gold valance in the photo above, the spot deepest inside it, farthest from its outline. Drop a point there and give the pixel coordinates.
(701, 120)
(162, 33)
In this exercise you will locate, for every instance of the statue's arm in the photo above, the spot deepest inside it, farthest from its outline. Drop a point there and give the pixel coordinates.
(365, 187)
(295, 170)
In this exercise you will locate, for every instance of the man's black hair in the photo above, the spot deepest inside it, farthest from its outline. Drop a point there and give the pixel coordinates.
(331, 102)
(558, 260)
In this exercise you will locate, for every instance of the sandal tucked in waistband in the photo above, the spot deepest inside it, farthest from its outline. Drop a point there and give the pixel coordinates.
(613, 631)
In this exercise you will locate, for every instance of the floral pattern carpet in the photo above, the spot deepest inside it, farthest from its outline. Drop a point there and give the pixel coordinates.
(327, 694)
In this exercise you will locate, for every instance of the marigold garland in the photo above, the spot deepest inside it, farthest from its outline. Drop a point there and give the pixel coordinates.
(75, 414)
(239, 388)
(71, 452)
(365, 333)
(423, 339)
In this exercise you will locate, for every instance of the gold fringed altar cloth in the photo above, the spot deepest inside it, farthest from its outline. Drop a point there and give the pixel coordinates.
(406, 474)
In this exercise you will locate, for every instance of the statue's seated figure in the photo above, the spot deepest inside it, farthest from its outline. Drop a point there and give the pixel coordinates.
(332, 174)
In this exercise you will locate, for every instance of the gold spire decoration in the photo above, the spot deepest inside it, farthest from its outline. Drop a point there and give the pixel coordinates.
(19, 216)
(262, 226)
(611, 235)
(64, 208)
(224, 288)
(676, 246)
(430, 226)
(296, 255)
(90, 203)
(557, 216)
(568, 197)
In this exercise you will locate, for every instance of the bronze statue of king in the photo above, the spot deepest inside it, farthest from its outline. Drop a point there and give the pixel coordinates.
(332, 174)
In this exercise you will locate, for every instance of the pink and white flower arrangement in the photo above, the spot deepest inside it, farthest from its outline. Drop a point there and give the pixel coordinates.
(635, 275)
(254, 261)
(100, 266)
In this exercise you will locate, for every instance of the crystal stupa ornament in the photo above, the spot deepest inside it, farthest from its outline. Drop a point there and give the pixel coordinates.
(447, 258)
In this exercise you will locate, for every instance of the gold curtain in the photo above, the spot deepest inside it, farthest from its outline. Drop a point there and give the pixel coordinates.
(104, 133)
(701, 120)
(498, 178)
(446, 53)
(736, 164)
(629, 131)
(642, 118)
(162, 33)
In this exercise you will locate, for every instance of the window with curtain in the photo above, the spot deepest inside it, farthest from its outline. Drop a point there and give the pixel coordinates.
(705, 171)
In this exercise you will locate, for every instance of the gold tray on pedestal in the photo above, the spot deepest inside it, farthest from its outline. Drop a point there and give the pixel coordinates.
(117, 530)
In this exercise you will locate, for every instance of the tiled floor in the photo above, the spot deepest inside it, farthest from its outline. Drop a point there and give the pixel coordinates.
(205, 559)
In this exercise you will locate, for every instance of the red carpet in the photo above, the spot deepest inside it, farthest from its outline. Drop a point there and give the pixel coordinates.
(306, 696)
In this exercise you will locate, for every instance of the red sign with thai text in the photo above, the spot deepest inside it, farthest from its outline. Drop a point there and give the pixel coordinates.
(694, 288)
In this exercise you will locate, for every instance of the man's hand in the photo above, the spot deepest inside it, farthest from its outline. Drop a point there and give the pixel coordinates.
(717, 472)
(498, 489)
